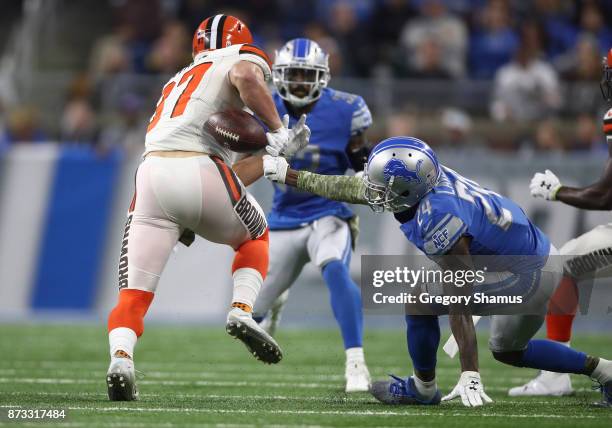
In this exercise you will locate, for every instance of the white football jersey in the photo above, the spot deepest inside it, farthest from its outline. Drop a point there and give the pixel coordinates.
(193, 95)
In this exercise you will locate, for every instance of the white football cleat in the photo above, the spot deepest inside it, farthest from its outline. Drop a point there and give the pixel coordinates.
(241, 325)
(357, 376)
(546, 383)
(121, 380)
(270, 322)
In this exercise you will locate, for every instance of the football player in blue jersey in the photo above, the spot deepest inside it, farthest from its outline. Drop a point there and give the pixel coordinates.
(306, 227)
(444, 213)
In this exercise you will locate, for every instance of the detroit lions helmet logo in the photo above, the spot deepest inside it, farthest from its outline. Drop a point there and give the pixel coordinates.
(397, 168)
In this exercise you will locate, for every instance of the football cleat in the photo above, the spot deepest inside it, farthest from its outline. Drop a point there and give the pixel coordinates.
(121, 380)
(357, 377)
(242, 326)
(545, 383)
(606, 395)
(400, 391)
(270, 322)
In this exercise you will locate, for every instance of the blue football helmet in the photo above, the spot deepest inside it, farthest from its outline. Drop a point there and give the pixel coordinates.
(300, 71)
(400, 171)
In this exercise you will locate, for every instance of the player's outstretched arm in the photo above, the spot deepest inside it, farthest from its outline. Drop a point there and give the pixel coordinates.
(597, 196)
(249, 81)
(336, 187)
(249, 169)
(469, 388)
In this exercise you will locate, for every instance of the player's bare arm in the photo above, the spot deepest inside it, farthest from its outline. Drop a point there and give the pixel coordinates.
(469, 388)
(249, 81)
(597, 196)
(249, 169)
(460, 320)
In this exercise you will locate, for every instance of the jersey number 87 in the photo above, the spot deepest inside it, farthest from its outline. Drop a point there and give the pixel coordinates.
(189, 82)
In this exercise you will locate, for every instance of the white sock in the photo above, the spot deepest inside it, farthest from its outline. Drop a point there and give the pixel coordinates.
(426, 389)
(603, 371)
(354, 355)
(247, 283)
(122, 339)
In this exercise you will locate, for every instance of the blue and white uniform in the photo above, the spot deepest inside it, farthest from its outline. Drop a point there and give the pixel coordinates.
(336, 117)
(458, 206)
(516, 249)
(305, 227)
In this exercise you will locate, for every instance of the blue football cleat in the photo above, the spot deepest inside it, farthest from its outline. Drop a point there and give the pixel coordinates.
(401, 391)
(606, 395)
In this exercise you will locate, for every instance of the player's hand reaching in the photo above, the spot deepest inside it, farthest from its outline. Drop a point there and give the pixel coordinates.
(287, 142)
(470, 389)
(545, 185)
(275, 168)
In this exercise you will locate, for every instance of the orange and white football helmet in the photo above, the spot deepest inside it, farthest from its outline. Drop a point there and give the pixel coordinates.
(218, 32)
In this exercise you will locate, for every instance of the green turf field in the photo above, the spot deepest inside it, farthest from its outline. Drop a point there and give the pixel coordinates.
(202, 377)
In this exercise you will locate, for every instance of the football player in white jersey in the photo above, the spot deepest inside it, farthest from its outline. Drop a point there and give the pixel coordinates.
(588, 254)
(185, 186)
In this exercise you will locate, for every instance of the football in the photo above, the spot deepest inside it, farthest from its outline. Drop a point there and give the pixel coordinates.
(236, 130)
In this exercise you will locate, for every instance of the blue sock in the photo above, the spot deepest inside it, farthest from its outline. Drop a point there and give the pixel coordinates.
(345, 300)
(423, 336)
(554, 357)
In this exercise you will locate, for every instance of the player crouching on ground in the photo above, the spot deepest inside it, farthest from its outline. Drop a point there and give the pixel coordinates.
(444, 213)
(306, 227)
(184, 184)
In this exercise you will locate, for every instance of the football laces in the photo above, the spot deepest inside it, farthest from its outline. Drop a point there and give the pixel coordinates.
(227, 134)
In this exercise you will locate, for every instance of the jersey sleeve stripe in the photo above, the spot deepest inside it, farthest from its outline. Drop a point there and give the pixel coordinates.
(251, 49)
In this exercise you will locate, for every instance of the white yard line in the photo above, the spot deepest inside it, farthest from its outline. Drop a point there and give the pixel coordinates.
(60, 381)
(255, 383)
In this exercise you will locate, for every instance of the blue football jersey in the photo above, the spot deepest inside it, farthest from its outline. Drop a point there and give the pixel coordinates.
(335, 118)
(458, 206)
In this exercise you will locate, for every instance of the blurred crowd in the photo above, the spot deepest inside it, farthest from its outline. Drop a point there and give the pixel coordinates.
(529, 50)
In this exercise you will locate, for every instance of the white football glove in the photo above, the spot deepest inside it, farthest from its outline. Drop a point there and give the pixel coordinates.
(287, 142)
(470, 389)
(545, 185)
(275, 168)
